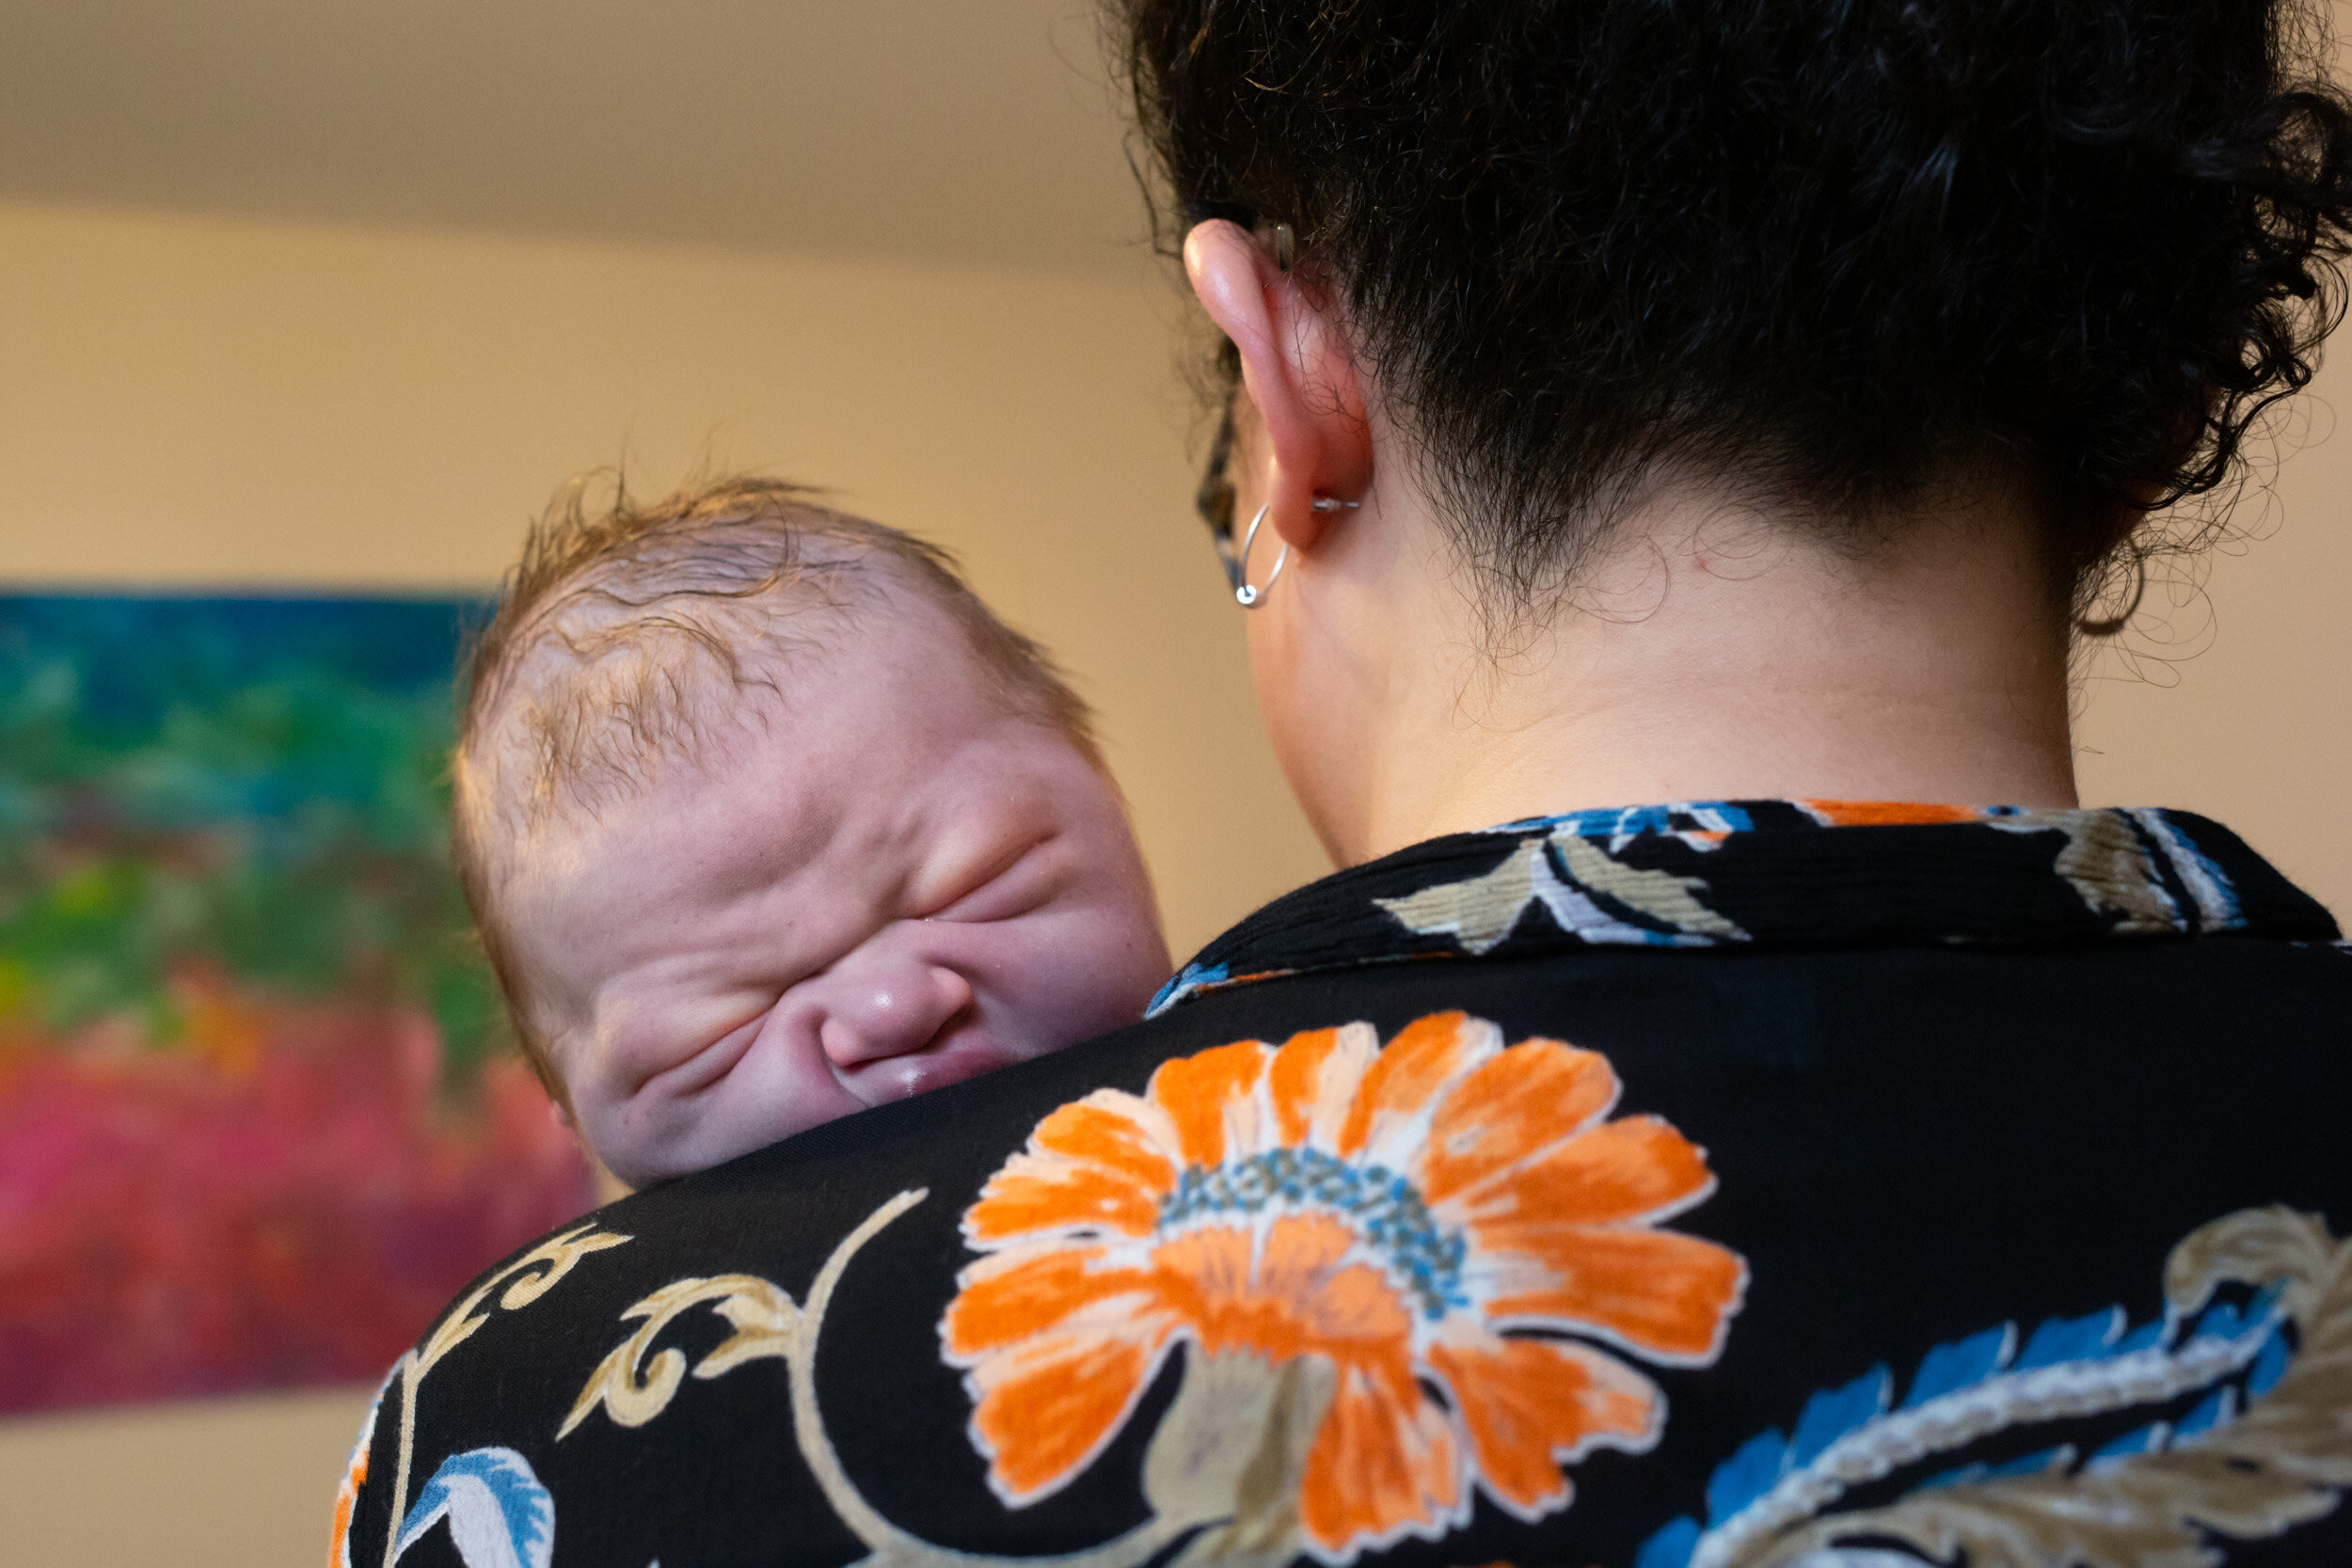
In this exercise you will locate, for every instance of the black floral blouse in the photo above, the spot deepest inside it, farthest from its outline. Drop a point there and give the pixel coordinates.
(1747, 1183)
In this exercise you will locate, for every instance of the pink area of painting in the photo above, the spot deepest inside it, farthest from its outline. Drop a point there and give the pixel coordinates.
(286, 1197)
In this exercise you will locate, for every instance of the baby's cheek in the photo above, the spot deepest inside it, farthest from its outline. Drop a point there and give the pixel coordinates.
(1085, 971)
(779, 1086)
(675, 1124)
(634, 1136)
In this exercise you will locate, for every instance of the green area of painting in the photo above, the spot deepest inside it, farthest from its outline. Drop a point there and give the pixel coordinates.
(255, 789)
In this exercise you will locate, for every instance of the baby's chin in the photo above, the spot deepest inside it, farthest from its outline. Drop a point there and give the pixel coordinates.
(935, 1066)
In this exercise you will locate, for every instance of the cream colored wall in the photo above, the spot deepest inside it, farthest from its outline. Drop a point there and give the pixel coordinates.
(186, 402)
(206, 402)
(234, 1483)
(2239, 701)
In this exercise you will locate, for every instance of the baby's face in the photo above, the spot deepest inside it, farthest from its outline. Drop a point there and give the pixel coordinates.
(886, 886)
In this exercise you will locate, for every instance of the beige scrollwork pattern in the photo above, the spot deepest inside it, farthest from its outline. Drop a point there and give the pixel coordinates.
(634, 1389)
(634, 1386)
(526, 1279)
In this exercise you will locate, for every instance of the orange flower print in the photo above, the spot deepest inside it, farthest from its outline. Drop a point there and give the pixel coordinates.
(1886, 814)
(1447, 1212)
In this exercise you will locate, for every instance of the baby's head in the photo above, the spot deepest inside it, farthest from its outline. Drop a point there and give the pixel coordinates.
(766, 819)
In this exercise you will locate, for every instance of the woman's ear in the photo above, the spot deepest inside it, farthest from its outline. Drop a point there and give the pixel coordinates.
(1299, 371)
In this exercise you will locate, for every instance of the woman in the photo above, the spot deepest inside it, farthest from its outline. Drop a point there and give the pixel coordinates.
(1739, 405)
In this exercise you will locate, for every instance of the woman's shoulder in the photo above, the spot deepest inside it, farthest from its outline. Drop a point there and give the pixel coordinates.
(1661, 1261)
(1643, 1252)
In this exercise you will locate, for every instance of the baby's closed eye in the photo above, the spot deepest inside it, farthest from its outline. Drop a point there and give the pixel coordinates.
(685, 1053)
(1018, 879)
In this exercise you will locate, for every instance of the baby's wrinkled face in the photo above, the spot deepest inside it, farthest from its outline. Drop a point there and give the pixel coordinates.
(880, 884)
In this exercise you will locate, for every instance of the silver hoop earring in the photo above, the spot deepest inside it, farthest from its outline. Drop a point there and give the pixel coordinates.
(2109, 625)
(1244, 595)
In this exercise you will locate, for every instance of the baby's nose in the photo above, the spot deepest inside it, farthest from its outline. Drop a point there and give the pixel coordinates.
(891, 1011)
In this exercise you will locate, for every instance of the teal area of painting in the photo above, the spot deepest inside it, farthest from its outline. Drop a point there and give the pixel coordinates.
(257, 785)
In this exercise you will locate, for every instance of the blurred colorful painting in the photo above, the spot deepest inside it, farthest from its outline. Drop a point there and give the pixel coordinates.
(259, 1119)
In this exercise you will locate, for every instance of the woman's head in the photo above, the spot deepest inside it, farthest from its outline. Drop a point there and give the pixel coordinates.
(1838, 252)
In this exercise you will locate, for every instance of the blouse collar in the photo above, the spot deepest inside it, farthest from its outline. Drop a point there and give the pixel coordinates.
(1766, 873)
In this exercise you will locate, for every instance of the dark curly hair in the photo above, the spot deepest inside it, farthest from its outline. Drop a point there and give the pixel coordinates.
(1840, 250)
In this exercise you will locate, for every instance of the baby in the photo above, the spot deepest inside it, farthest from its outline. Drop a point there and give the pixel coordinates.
(764, 820)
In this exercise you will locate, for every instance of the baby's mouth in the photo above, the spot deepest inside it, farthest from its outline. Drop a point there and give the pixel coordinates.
(955, 1053)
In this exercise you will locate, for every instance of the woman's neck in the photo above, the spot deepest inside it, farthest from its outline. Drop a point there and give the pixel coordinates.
(1717, 654)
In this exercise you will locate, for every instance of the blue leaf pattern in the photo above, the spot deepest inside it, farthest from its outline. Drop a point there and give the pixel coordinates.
(2210, 1412)
(2071, 1340)
(1697, 824)
(2033, 1463)
(1949, 1369)
(1745, 1476)
(498, 1514)
(1968, 1389)
(1670, 1547)
(1836, 1412)
(2269, 1366)
(1193, 978)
